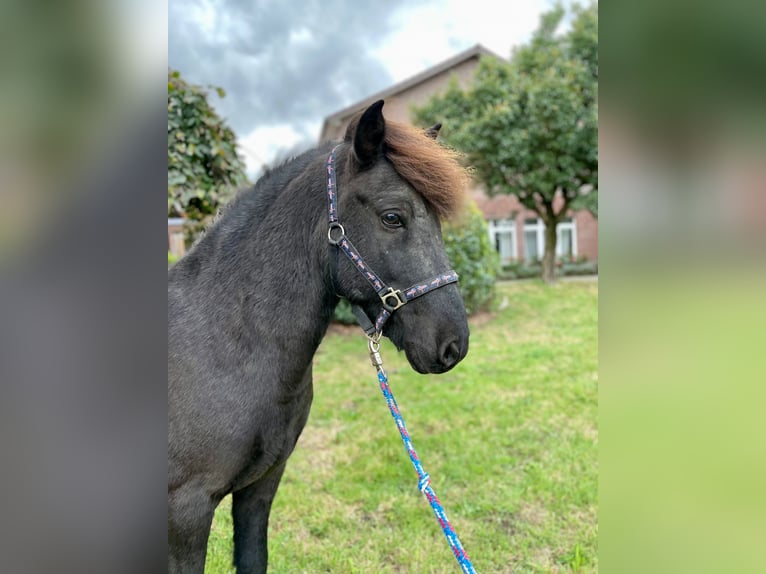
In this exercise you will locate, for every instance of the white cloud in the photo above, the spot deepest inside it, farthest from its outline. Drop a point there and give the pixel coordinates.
(263, 144)
(430, 33)
(423, 35)
(204, 15)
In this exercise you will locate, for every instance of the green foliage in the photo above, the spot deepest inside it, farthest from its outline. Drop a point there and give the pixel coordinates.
(171, 259)
(528, 270)
(204, 169)
(530, 127)
(344, 314)
(473, 257)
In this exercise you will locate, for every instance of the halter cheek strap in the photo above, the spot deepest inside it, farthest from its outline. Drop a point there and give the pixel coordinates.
(391, 299)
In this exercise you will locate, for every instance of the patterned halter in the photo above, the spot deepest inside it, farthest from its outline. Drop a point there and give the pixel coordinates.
(390, 298)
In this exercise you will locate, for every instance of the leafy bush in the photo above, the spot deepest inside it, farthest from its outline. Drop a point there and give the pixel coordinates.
(532, 269)
(473, 257)
(523, 270)
(580, 268)
(204, 168)
(344, 314)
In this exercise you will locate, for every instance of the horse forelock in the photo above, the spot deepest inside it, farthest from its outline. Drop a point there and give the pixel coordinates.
(432, 169)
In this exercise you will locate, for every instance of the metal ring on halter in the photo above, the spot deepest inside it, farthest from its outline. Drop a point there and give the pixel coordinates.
(335, 225)
(373, 341)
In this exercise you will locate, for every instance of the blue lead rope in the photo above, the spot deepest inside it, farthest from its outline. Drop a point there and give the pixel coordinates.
(424, 480)
(391, 300)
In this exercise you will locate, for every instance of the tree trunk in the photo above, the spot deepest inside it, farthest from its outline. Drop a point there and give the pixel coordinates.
(549, 257)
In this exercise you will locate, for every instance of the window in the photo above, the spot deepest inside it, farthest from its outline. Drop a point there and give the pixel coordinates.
(532, 247)
(502, 234)
(566, 239)
(534, 239)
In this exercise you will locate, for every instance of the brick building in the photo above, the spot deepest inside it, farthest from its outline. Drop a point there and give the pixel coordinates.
(516, 232)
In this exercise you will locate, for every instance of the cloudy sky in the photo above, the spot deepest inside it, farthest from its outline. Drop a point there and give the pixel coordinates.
(286, 65)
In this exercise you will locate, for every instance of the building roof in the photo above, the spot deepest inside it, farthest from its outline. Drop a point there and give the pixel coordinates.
(473, 52)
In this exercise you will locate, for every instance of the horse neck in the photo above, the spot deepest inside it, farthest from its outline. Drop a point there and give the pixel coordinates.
(270, 271)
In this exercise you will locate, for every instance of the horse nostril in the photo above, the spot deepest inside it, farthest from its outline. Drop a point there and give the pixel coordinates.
(450, 354)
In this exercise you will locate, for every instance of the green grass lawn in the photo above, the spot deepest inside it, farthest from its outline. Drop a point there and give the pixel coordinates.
(509, 438)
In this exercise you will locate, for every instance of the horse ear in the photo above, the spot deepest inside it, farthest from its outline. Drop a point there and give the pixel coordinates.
(369, 135)
(433, 131)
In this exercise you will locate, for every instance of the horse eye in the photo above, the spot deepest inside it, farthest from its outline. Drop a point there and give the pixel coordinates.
(391, 219)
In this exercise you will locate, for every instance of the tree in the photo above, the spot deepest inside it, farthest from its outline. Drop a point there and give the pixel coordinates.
(204, 169)
(530, 127)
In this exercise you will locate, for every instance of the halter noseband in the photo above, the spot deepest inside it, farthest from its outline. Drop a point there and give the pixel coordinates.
(391, 299)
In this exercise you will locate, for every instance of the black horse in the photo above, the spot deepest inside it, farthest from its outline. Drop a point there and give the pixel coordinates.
(250, 303)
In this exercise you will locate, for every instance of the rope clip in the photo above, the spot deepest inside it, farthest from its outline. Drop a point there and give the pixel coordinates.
(373, 345)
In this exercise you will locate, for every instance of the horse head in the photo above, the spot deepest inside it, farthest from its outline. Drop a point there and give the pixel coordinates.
(394, 183)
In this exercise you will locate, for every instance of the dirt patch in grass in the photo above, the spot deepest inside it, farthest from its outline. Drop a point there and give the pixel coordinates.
(320, 442)
(481, 318)
(533, 514)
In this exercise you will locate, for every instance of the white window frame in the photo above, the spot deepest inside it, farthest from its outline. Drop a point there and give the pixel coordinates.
(564, 226)
(539, 228)
(497, 226)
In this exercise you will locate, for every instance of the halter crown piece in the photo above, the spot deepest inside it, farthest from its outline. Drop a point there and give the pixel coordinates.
(390, 298)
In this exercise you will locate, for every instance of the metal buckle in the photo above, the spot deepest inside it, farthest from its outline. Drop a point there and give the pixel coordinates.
(392, 294)
(335, 225)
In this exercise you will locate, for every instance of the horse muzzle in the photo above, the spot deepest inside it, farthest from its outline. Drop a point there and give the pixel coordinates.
(439, 356)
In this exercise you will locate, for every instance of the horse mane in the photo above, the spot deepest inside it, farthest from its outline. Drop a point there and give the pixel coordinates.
(261, 196)
(431, 168)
